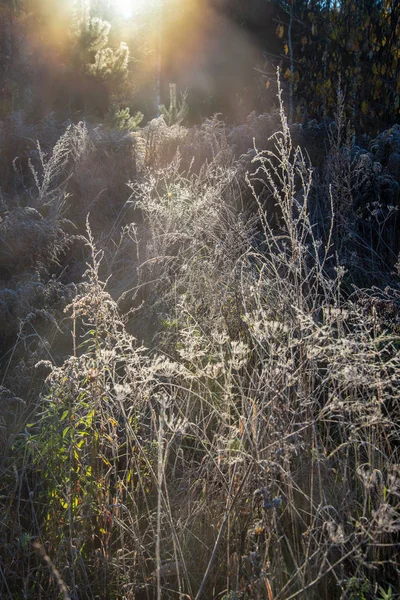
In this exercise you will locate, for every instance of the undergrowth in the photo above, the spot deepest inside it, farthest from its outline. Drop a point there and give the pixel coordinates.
(251, 449)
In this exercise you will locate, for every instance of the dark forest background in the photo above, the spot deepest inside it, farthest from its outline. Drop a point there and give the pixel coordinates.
(223, 52)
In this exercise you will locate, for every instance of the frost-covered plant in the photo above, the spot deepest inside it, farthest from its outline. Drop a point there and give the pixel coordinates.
(251, 451)
(54, 171)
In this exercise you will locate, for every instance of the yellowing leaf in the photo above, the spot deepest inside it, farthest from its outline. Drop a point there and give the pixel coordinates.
(286, 48)
(364, 107)
(267, 84)
(280, 30)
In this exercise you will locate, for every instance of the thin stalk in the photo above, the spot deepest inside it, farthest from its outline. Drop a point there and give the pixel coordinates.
(228, 510)
(160, 474)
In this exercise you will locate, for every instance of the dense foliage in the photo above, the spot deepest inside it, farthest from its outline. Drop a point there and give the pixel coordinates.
(355, 44)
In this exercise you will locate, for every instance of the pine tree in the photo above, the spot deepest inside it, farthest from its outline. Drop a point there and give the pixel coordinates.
(176, 113)
(100, 69)
(120, 119)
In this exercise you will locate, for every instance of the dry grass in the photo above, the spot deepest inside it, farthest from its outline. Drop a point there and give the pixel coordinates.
(251, 449)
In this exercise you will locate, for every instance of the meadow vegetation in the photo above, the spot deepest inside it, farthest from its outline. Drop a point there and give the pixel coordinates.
(200, 350)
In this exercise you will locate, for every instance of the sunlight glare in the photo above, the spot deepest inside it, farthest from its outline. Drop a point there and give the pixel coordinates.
(127, 8)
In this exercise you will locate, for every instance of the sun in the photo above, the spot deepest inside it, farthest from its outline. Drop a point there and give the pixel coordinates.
(127, 8)
(131, 8)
